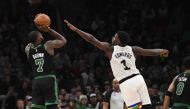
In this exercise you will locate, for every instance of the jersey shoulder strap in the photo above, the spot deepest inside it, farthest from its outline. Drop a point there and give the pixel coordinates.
(176, 78)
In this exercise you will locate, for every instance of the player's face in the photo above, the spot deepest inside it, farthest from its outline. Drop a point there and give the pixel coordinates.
(39, 38)
(115, 40)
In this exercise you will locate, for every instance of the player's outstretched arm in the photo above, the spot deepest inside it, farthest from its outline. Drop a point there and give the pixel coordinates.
(59, 39)
(89, 38)
(168, 95)
(150, 52)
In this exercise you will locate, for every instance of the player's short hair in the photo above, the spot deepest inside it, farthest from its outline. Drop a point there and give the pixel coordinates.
(186, 62)
(123, 37)
(32, 36)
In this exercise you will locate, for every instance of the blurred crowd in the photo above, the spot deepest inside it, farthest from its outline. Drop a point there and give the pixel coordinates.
(83, 72)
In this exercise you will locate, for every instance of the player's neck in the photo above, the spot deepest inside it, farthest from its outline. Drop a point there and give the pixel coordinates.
(36, 44)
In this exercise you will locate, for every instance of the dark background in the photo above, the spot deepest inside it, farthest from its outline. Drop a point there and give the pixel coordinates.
(150, 23)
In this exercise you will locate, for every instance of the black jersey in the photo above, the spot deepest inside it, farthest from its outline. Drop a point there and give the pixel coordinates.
(41, 61)
(182, 90)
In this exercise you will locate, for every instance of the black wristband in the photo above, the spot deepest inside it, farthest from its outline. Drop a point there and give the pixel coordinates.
(168, 93)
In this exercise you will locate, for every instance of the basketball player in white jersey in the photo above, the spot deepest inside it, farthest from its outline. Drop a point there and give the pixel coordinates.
(122, 60)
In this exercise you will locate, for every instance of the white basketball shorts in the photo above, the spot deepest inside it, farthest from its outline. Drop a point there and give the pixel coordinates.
(134, 91)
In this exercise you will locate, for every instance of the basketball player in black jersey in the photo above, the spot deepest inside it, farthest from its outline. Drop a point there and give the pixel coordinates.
(40, 56)
(179, 89)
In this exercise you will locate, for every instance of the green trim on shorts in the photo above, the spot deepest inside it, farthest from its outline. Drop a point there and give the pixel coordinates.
(55, 92)
(47, 104)
(181, 104)
(55, 89)
(44, 76)
(38, 106)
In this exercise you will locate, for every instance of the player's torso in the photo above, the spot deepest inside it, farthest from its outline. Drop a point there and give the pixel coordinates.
(41, 62)
(182, 92)
(123, 62)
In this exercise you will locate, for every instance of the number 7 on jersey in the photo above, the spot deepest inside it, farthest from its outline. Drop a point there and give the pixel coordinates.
(40, 63)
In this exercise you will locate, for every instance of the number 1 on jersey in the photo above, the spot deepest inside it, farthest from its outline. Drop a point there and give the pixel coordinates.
(124, 63)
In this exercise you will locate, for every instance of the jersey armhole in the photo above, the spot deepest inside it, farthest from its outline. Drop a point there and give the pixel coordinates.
(133, 52)
(112, 47)
(175, 79)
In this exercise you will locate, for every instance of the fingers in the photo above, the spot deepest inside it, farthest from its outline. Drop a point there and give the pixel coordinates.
(66, 21)
(37, 15)
(43, 26)
(164, 53)
(72, 27)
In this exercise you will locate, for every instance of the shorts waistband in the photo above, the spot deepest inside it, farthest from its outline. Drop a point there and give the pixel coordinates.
(181, 104)
(44, 76)
(128, 77)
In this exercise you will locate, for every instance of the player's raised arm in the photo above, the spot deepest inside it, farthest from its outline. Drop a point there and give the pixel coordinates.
(89, 38)
(59, 39)
(150, 52)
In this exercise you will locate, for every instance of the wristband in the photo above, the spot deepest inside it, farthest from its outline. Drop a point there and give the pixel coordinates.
(168, 93)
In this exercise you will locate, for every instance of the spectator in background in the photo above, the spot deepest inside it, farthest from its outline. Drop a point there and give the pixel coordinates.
(155, 98)
(89, 90)
(155, 70)
(95, 104)
(73, 104)
(169, 20)
(107, 87)
(113, 98)
(63, 92)
(65, 106)
(78, 93)
(20, 104)
(83, 102)
(67, 97)
(60, 104)
(24, 89)
(97, 23)
(28, 102)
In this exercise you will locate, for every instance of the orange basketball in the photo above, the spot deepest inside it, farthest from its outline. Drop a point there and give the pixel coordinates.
(42, 19)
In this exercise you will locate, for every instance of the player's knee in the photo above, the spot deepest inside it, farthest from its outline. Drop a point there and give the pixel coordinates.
(148, 106)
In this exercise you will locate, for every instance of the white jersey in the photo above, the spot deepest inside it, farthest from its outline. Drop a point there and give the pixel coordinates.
(123, 62)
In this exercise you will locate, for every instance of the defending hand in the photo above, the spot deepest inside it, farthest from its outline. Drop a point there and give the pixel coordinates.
(164, 53)
(72, 27)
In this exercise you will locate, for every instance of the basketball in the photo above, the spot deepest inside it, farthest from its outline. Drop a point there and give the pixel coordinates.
(42, 19)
